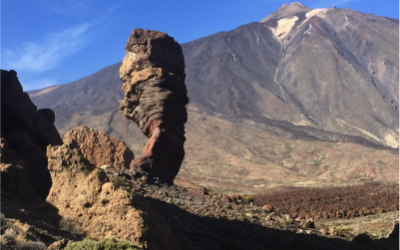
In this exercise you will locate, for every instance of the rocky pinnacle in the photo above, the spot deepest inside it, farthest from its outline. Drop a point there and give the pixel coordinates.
(155, 95)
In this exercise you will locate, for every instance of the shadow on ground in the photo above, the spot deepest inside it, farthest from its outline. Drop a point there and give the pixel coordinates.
(195, 232)
(44, 223)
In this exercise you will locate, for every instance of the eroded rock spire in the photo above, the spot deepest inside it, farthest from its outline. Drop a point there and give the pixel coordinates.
(155, 95)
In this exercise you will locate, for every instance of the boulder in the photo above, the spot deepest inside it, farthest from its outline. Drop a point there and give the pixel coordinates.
(84, 195)
(99, 149)
(27, 130)
(268, 208)
(155, 95)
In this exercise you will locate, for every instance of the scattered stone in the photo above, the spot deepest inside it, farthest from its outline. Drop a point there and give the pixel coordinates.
(332, 232)
(309, 223)
(237, 198)
(268, 208)
(249, 215)
(226, 198)
(323, 231)
(189, 184)
(110, 171)
(293, 214)
(288, 218)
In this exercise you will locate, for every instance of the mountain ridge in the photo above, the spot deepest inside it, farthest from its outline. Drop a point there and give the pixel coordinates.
(269, 81)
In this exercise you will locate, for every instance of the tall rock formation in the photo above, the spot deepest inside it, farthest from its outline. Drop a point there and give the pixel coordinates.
(155, 95)
(28, 132)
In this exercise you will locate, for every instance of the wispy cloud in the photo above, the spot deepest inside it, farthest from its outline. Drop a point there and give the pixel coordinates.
(42, 56)
(30, 84)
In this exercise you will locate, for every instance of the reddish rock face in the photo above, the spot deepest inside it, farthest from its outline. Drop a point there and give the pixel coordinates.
(28, 132)
(153, 76)
(99, 149)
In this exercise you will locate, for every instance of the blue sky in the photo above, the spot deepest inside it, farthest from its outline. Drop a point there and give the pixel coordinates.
(50, 42)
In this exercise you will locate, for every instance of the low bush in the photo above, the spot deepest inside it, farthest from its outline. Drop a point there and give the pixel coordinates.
(69, 225)
(120, 182)
(106, 243)
(249, 198)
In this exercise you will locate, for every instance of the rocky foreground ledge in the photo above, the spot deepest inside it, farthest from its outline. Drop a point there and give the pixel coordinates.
(201, 219)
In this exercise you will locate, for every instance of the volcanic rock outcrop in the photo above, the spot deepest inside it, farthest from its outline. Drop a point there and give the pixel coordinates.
(84, 195)
(99, 149)
(155, 95)
(28, 132)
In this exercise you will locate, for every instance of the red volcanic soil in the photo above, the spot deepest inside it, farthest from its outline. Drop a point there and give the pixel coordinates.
(333, 203)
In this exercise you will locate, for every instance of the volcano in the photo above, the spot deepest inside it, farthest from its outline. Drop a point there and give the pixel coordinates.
(305, 97)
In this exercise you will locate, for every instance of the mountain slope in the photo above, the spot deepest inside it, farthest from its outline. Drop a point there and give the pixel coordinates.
(269, 101)
(322, 68)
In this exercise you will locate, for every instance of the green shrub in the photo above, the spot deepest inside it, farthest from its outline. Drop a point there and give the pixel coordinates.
(249, 198)
(119, 181)
(106, 243)
(70, 225)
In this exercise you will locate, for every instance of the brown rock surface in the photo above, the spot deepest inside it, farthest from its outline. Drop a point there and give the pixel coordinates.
(59, 245)
(268, 208)
(155, 95)
(99, 149)
(27, 130)
(83, 194)
(189, 184)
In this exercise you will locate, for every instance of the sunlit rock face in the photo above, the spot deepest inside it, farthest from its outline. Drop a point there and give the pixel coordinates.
(84, 194)
(155, 95)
